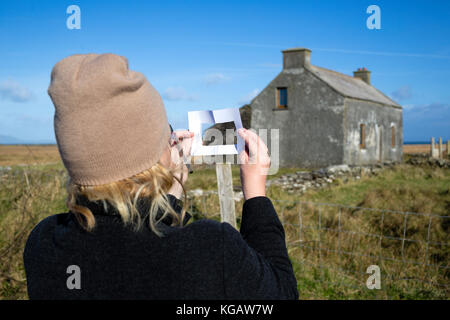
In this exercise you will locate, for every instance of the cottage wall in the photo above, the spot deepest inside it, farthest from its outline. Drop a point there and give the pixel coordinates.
(378, 120)
(311, 128)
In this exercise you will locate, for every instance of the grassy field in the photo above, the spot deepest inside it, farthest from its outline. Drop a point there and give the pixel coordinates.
(408, 267)
(32, 154)
(28, 154)
(328, 264)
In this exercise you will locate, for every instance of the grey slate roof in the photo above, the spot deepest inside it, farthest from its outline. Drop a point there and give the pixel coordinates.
(351, 87)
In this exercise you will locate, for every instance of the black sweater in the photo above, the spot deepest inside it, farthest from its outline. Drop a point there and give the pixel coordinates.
(202, 260)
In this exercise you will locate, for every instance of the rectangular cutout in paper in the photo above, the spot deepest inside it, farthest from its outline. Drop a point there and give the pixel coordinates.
(197, 118)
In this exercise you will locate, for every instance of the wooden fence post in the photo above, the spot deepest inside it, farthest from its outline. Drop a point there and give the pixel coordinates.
(432, 148)
(226, 194)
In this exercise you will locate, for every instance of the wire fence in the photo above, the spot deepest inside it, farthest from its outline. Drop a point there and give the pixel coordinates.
(332, 246)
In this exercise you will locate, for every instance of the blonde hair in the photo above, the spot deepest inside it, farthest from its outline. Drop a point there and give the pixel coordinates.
(123, 195)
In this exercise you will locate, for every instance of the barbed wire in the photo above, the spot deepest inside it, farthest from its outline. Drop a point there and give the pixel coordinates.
(317, 210)
(336, 210)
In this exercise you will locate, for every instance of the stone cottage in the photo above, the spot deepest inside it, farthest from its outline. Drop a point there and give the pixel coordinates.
(325, 117)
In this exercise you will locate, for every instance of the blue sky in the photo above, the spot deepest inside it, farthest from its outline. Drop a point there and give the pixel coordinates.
(216, 54)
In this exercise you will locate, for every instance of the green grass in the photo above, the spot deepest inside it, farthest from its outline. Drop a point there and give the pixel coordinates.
(403, 188)
(29, 194)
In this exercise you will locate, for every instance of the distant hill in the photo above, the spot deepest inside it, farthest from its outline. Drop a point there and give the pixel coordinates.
(9, 140)
(4, 139)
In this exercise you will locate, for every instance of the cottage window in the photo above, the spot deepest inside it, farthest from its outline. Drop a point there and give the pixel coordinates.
(362, 136)
(282, 98)
(393, 136)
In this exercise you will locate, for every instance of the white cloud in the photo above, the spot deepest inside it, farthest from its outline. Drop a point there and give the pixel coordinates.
(435, 107)
(422, 121)
(215, 78)
(408, 106)
(248, 97)
(402, 93)
(177, 94)
(13, 91)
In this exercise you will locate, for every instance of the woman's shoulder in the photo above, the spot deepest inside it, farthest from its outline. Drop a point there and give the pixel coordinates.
(52, 221)
(44, 228)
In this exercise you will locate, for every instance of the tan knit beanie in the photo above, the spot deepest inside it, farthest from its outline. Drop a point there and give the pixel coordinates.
(110, 123)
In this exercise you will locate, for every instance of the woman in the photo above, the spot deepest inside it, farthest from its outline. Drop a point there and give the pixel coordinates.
(126, 235)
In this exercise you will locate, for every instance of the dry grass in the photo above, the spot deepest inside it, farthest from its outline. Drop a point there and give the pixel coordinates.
(27, 195)
(329, 261)
(28, 154)
(420, 148)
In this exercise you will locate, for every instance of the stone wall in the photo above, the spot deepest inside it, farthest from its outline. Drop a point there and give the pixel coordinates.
(420, 159)
(302, 181)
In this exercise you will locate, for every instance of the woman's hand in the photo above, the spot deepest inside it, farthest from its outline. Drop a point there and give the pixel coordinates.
(255, 163)
(180, 149)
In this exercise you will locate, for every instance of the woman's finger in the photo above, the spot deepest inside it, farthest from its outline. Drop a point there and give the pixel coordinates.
(183, 134)
(257, 141)
(262, 148)
(257, 148)
(243, 133)
(243, 157)
(250, 147)
(183, 140)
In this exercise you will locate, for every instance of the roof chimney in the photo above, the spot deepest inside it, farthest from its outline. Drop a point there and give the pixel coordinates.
(296, 58)
(363, 74)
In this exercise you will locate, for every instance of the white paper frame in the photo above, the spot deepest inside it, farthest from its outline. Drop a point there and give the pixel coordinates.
(197, 118)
